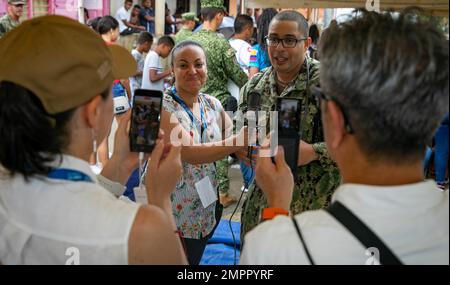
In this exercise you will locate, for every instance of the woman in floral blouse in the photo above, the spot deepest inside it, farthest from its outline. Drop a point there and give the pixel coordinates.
(197, 121)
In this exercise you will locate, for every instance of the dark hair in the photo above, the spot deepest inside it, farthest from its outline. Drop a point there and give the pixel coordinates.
(106, 24)
(182, 45)
(144, 37)
(126, 1)
(242, 22)
(137, 7)
(208, 14)
(263, 26)
(166, 40)
(31, 138)
(390, 75)
(314, 33)
(94, 23)
(294, 16)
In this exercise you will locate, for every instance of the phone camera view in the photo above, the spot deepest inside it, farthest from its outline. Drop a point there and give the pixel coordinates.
(145, 123)
(288, 116)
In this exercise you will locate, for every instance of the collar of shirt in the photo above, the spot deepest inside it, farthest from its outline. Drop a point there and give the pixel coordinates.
(389, 199)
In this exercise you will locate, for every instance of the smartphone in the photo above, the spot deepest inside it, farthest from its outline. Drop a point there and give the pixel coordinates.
(289, 114)
(145, 120)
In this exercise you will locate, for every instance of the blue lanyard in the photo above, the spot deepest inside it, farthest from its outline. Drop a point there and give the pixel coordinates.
(189, 112)
(69, 174)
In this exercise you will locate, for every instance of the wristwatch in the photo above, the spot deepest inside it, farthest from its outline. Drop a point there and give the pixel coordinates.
(270, 213)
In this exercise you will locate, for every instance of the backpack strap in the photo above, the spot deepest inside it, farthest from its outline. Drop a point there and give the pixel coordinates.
(302, 241)
(363, 233)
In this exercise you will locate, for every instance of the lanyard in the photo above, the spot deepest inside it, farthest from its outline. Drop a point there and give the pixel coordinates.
(69, 174)
(189, 112)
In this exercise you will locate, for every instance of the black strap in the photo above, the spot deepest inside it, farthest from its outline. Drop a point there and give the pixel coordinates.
(365, 235)
(303, 241)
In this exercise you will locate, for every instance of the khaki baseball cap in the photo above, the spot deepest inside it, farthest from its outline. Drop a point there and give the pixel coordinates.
(16, 2)
(61, 61)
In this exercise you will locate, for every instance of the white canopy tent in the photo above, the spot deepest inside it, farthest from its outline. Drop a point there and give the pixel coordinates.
(432, 7)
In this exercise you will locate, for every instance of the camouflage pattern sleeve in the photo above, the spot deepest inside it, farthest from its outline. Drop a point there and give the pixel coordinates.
(322, 153)
(231, 66)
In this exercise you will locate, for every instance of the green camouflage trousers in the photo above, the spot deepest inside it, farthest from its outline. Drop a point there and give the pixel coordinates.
(222, 175)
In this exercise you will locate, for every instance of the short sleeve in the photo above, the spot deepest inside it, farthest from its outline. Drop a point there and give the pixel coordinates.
(153, 61)
(253, 61)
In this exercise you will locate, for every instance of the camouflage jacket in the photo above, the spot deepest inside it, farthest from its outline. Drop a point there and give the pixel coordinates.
(222, 64)
(7, 24)
(182, 35)
(317, 180)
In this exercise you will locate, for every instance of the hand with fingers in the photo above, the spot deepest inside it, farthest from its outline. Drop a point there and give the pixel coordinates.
(275, 179)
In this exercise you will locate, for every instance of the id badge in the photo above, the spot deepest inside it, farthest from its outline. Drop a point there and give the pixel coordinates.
(206, 192)
(140, 195)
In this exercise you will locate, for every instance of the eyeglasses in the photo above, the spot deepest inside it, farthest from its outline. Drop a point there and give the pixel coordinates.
(317, 92)
(287, 42)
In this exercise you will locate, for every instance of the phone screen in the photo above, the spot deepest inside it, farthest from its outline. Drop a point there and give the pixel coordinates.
(145, 120)
(289, 116)
(289, 110)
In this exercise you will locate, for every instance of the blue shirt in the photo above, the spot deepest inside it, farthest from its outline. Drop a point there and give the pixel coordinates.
(259, 58)
(149, 25)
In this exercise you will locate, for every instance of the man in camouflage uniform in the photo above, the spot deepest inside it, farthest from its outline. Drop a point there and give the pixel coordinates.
(288, 77)
(222, 65)
(188, 21)
(11, 19)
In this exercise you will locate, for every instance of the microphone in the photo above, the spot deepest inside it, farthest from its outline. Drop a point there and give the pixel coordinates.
(254, 105)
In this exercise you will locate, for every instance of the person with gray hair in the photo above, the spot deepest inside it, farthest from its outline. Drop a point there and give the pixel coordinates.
(384, 90)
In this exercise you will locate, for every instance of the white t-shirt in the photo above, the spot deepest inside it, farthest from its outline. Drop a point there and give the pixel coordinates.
(243, 50)
(412, 220)
(122, 15)
(152, 61)
(51, 221)
(136, 81)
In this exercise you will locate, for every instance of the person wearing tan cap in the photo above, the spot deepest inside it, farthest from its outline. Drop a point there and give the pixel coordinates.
(11, 19)
(188, 20)
(55, 100)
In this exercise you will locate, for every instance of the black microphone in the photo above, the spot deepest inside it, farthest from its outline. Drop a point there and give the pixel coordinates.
(254, 105)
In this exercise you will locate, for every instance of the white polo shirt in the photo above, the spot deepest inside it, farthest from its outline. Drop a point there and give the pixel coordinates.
(121, 15)
(152, 61)
(243, 50)
(412, 220)
(49, 221)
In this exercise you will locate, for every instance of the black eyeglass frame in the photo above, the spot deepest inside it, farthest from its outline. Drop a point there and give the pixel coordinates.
(283, 42)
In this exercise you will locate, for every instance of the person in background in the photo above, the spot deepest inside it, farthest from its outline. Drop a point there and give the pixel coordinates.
(440, 151)
(153, 74)
(314, 34)
(108, 28)
(188, 21)
(222, 66)
(376, 130)
(203, 124)
(134, 17)
(144, 44)
(259, 58)
(147, 16)
(49, 196)
(11, 19)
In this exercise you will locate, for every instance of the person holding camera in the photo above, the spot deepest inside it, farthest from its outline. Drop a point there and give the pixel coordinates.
(55, 105)
(376, 128)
